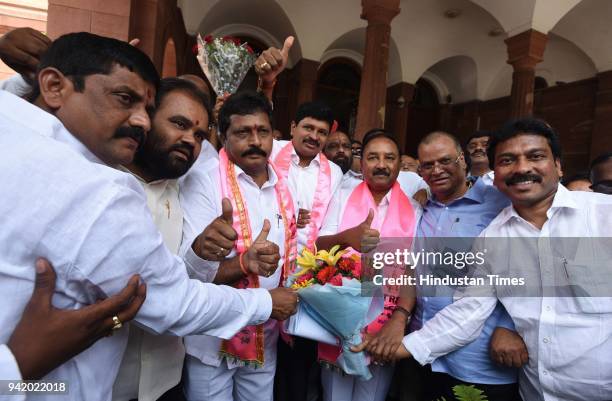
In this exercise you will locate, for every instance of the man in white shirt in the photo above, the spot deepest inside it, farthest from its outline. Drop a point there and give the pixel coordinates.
(246, 192)
(152, 364)
(569, 337)
(90, 220)
(392, 213)
(476, 156)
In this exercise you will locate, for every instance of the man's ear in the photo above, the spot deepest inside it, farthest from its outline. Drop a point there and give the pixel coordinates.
(54, 86)
(293, 125)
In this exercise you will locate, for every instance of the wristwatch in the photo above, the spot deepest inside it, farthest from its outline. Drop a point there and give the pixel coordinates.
(403, 311)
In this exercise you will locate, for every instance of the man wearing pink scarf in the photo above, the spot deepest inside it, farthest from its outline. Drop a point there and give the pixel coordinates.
(358, 216)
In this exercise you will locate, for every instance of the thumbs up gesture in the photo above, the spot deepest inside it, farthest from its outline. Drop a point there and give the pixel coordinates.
(362, 237)
(263, 255)
(219, 237)
(273, 61)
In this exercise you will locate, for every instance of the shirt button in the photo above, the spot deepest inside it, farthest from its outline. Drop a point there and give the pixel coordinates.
(548, 308)
(546, 340)
(545, 372)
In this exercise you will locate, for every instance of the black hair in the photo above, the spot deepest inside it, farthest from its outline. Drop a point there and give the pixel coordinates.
(378, 133)
(437, 134)
(604, 157)
(169, 85)
(353, 141)
(78, 55)
(243, 103)
(581, 176)
(316, 110)
(478, 134)
(521, 126)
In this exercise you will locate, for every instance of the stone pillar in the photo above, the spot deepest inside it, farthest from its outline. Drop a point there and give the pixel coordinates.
(302, 84)
(601, 140)
(525, 50)
(373, 90)
(399, 97)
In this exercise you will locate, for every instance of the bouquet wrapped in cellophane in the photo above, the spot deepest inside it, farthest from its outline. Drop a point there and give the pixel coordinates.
(225, 62)
(329, 284)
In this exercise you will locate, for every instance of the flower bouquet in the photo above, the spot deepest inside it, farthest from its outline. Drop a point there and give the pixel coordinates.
(329, 285)
(225, 61)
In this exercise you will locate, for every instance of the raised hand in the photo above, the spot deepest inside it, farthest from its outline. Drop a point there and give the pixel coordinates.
(46, 337)
(219, 237)
(273, 61)
(262, 256)
(284, 303)
(362, 237)
(21, 50)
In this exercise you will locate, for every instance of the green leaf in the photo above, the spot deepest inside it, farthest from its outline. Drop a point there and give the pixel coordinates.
(469, 393)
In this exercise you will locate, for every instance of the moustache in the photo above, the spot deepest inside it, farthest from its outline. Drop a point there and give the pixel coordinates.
(380, 171)
(254, 151)
(185, 148)
(312, 142)
(516, 178)
(136, 133)
(478, 152)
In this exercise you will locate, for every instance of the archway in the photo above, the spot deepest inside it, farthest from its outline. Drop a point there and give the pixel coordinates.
(169, 60)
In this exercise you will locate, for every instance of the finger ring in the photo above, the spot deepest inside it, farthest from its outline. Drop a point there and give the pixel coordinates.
(264, 65)
(117, 322)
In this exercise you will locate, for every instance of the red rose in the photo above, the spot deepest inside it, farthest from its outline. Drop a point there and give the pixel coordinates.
(324, 275)
(194, 49)
(336, 280)
(356, 272)
(208, 38)
(236, 41)
(249, 49)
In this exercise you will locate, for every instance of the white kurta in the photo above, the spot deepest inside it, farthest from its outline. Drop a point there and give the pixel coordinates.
(92, 223)
(153, 364)
(9, 370)
(569, 339)
(302, 182)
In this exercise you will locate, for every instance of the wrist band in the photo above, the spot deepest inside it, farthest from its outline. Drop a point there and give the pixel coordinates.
(403, 311)
(242, 267)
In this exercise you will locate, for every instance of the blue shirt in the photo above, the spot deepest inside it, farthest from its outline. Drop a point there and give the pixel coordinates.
(465, 217)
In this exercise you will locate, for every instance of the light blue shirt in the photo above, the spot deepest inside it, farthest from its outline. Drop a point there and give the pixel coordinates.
(465, 217)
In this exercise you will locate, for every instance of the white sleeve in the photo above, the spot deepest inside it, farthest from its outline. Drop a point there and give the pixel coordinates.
(9, 370)
(331, 222)
(199, 210)
(117, 238)
(15, 85)
(411, 182)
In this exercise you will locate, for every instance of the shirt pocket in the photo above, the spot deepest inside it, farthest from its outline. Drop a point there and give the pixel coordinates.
(591, 284)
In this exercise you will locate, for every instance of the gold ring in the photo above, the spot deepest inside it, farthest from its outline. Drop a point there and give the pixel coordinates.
(117, 322)
(264, 65)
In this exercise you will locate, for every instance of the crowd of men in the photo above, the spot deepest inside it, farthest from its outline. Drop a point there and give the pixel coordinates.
(146, 240)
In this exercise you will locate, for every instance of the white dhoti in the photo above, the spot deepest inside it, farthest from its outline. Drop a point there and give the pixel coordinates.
(227, 382)
(339, 387)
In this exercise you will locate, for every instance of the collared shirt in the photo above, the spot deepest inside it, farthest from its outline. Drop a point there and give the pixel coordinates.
(92, 223)
(464, 217)
(351, 179)
(201, 200)
(569, 339)
(302, 182)
(333, 218)
(487, 178)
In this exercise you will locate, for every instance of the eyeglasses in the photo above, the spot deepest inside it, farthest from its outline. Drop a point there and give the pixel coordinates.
(427, 168)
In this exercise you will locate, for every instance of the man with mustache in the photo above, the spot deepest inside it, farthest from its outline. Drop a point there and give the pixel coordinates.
(246, 199)
(383, 207)
(601, 174)
(478, 162)
(462, 207)
(66, 204)
(568, 336)
(409, 163)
